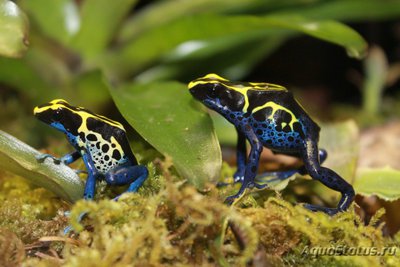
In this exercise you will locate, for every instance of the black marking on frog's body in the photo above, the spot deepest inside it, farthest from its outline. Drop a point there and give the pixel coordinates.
(267, 115)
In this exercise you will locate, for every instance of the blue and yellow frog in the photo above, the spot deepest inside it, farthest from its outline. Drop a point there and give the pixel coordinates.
(267, 115)
(101, 142)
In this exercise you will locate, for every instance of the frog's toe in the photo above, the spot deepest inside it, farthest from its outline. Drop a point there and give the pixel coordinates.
(238, 178)
(41, 158)
(260, 186)
(315, 208)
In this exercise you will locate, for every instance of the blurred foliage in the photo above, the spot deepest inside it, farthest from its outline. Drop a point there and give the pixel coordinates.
(13, 30)
(138, 54)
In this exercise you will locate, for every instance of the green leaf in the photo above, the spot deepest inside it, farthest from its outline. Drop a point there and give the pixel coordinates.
(384, 183)
(19, 158)
(349, 10)
(58, 19)
(147, 48)
(192, 58)
(167, 117)
(20, 75)
(164, 12)
(100, 19)
(14, 30)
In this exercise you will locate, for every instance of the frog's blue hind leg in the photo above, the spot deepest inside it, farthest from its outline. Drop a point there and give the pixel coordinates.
(263, 179)
(133, 175)
(251, 166)
(328, 177)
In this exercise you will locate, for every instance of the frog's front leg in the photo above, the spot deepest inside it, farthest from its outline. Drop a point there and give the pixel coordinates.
(67, 159)
(93, 174)
(241, 156)
(328, 177)
(122, 175)
(252, 163)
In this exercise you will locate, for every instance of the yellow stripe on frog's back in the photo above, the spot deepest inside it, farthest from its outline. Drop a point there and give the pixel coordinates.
(82, 112)
(275, 107)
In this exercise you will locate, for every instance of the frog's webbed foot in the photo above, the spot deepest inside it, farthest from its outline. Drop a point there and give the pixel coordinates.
(41, 158)
(329, 211)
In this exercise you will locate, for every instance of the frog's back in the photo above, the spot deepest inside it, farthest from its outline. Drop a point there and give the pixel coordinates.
(279, 120)
(106, 143)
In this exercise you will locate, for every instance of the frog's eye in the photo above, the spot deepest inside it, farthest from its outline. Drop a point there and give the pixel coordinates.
(57, 115)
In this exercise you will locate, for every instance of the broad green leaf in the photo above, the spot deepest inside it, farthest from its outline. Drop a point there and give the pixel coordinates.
(14, 30)
(384, 183)
(167, 117)
(19, 158)
(147, 48)
(18, 74)
(58, 19)
(192, 58)
(167, 11)
(99, 21)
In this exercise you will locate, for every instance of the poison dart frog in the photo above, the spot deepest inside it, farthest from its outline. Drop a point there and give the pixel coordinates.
(101, 142)
(267, 115)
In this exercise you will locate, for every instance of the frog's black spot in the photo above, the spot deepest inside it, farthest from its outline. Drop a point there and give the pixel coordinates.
(297, 141)
(279, 134)
(264, 125)
(113, 145)
(280, 140)
(246, 115)
(262, 114)
(278, 127)
(272, 133)
(110, 163)
(268, 141)
(91, 137)
(101, 161)
(240, 118)
(92, 145)
(82, 136)
(287, 129)
(290, 139)
(285, 116)
(259, 132)
(106, 158)
(253, 169)
(297, 128)
(232, 116)
(255, 125)
(105, 148)
(116, 154)
(98, 145)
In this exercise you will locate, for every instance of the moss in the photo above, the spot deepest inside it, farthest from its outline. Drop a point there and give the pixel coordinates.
(28, 212)
(169, 222)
